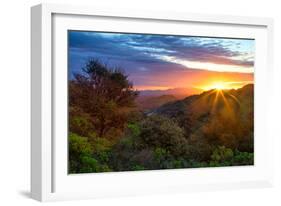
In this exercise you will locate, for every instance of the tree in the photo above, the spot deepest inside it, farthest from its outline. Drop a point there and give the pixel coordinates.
(105, 94)
(162, 132)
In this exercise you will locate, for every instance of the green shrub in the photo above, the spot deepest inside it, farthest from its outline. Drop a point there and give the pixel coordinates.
(81, 156)
(161, 132)
(243, 158)
(221, 153)
(164, 160)
(78, 146)
(223, 156)
(137, 167)
(134, 129)
(79, 122)
(198, 149)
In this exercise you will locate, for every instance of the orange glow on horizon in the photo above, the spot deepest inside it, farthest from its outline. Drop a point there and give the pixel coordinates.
(224, 85)
(218, 85)
(196, 82)
(147, 87)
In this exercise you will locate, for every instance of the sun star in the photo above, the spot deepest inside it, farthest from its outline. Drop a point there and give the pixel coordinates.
(216, 85)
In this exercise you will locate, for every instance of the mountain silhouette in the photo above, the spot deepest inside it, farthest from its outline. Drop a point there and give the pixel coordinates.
(152, 99)
(151, 102)
(176, 92)
(210, 101)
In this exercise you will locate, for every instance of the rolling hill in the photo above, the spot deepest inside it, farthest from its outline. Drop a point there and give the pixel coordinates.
(152, 99)
(225, 116)
(179, 93)
(151, 102)
(210, 101)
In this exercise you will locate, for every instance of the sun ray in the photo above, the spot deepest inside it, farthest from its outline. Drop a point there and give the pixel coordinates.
(214, 103)
(225, 101)
(235, 99)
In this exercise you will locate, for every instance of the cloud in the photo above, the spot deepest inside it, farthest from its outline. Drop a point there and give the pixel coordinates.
(143, 56)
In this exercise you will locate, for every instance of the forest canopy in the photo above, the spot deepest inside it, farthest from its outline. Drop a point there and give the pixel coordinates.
(110, 131)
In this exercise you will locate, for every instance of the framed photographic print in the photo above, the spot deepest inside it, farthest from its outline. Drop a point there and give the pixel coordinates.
(137, 102)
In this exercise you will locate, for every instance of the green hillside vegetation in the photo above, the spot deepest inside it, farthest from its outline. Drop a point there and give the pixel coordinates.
(109, 132)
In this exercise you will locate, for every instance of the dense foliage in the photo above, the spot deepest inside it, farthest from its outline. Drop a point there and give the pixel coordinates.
(109, 132)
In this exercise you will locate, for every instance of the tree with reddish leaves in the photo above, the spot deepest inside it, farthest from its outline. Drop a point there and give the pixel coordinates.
(104, 96)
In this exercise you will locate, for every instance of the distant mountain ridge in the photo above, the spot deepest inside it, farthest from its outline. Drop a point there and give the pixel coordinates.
(206, 100)
(152, 102)
(152, 99)
(176, 92)
(234, 107)
(163, 101)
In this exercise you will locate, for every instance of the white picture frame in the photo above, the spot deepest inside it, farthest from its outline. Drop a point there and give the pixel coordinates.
(49, 179)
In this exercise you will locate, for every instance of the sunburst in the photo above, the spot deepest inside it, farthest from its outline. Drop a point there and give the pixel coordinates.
(216, 86)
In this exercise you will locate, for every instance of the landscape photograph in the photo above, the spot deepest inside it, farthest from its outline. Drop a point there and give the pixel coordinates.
(141, 102)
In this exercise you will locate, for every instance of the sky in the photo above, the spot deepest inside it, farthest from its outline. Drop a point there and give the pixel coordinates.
(159, 62)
